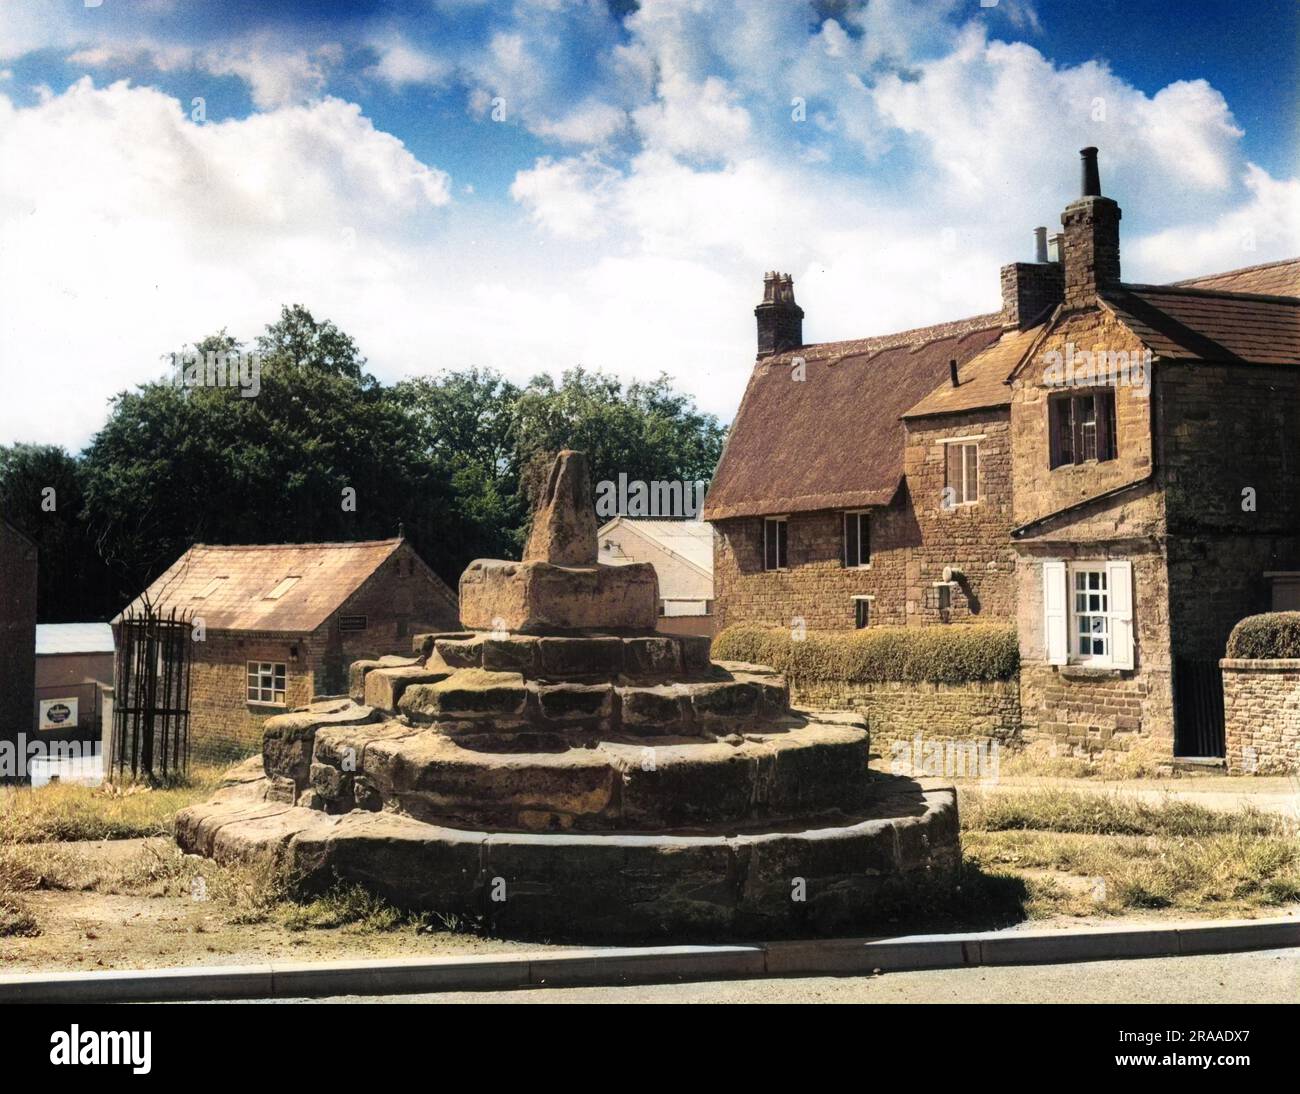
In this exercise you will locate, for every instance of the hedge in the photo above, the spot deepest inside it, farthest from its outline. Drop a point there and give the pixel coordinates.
(1271, 635)
(934, 654)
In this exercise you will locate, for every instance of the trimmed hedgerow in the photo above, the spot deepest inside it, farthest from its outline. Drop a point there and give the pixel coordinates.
(1272, 635)
(935, 654)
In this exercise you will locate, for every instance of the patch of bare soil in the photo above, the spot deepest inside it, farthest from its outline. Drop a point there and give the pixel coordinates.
(86, 929)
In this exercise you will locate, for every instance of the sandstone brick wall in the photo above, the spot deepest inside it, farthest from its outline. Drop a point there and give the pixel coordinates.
(17, 634)
(1039, 489)
(224, 725)
(1091, 710)
(975, 539)
(1261, 701)
(898, 711)
(1226, 429)
(912, 541)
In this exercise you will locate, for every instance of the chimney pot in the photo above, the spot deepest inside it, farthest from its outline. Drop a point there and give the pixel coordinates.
(780, 319)
(1091, 225)
(1091, 176)
(1040, 244)
(952, 371)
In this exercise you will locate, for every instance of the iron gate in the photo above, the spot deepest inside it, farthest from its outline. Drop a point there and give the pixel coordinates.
(151, 702)
(1198, 708)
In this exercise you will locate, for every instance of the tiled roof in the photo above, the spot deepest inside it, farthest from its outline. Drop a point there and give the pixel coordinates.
(1270, 279)
(230, 587)
(54, 638)
(1180, 323)
(981, 380)
(834, 440)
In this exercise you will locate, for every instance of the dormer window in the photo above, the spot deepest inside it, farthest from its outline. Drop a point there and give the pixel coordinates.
(1082, 427)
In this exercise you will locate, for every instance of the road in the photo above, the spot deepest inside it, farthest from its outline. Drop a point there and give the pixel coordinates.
(1266, 976)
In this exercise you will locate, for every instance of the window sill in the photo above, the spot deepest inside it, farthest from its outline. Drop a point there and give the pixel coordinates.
(863, 566)
(1078, 670)
(266, 706)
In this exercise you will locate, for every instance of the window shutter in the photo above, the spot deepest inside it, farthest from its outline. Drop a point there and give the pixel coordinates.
(850, 539)
(972, 472)
(1056, 634)
(1119, 584)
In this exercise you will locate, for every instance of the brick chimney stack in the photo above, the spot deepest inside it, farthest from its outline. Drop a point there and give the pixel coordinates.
(1030, 289)
(780, 319)
(1091, 239)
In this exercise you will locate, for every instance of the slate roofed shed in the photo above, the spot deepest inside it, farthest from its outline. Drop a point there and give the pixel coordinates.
(270, 588)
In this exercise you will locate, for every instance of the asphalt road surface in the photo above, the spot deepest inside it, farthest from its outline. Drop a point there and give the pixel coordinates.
(1264, 976)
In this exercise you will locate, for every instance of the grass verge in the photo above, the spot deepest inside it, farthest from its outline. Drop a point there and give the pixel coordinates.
(67, 812)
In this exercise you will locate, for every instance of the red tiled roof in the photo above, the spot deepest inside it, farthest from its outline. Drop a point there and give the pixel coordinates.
(229, 586)
(834, 440)
(1180, 323)
(1269, 279)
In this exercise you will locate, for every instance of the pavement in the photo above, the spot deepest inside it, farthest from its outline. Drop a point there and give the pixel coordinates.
(1267, 976)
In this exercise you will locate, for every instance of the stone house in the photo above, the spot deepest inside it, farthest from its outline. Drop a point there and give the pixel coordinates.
(1110, 466)
(17, 634)
(681, 551)
(280, 624)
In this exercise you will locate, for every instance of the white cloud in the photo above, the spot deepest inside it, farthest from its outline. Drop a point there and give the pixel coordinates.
(276, 75)
(1262, 229)
(126, 230)
(401, 64)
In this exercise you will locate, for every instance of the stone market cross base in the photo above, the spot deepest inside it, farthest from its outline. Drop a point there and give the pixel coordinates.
(603, 787)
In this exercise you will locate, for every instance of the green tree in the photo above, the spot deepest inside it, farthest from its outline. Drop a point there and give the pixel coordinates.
(41, 494)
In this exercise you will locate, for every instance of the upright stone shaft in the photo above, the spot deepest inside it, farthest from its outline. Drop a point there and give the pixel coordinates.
(564, 524)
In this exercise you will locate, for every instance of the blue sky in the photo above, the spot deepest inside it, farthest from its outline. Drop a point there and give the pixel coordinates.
(535, 184)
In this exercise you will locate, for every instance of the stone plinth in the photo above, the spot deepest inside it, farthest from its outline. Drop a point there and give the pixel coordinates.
(536, 597)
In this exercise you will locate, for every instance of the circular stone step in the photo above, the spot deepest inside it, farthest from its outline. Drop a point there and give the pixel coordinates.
(816, 765)
(821, 879)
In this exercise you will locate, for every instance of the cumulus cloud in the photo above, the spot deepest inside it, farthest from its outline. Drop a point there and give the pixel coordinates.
(276, 75)
(126, 230)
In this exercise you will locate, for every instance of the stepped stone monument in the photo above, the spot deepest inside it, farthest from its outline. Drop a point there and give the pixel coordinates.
(560, 769)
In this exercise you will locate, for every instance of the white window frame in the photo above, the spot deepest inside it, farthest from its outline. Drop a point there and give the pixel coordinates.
(1062, 610)
(256, 675)
(858, 515)
(1080, 601)
(871, 611)
(965, 443)
(782, 563)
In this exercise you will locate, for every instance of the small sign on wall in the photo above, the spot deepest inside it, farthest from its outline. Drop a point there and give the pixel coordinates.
(58, 713)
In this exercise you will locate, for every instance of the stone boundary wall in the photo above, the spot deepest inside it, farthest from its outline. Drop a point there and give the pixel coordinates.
(1261, 709)
(898, 711)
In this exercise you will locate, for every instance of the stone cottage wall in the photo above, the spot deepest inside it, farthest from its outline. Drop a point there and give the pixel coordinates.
(1231, 469)
(974, 539)
(912, 540)
(1261, 706)
(224, 725)
(1091, 710)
